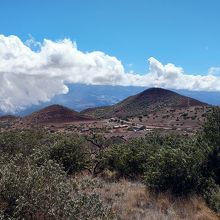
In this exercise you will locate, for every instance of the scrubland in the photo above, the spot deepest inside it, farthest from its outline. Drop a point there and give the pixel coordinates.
(68, 176)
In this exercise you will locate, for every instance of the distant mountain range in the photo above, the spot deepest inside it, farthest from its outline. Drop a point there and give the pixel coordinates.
(148, 101)
(81, 97)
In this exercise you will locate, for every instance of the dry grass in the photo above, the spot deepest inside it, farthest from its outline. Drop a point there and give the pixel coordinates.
(131, 201)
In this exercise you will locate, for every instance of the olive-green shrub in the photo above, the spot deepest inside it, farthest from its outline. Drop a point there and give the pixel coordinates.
(29, 191)
(72, 152)
(128, 159)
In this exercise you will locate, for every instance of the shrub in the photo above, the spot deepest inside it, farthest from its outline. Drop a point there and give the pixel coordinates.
(211, 193)
(28, 191)
(72, 152)
(211, 135)
(118, 158)
(140, 118)
(174, 170)
(212, 164)
(24, 142)
(211, 129)
(127, 159)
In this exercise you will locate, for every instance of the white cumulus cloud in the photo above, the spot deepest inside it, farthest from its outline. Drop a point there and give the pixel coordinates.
(29, 76)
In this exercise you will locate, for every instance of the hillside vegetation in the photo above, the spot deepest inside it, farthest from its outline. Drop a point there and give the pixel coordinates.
(61, 176)
(148, 101)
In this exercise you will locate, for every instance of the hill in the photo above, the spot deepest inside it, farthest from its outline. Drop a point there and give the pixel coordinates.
(81, 97)
(55, 114)
(148, 101)
(8, 118)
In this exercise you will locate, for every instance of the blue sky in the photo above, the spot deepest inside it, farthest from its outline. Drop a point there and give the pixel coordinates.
(186, 33)
(173, 44)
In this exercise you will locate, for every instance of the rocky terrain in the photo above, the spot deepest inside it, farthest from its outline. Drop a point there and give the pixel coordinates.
(148, 101)
(153, 109)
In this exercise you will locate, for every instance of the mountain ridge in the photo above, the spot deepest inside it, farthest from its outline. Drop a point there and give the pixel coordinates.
(149, 100)
(81, 97)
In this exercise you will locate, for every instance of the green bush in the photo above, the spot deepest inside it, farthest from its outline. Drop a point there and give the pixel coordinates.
(121, 159)
(33, 181)
(211, 135)
(128, 159)
(25, 141)
(212, 164)
(28, 191)
(211, 129)
(174, 170)
(72, 152)
(211, 193)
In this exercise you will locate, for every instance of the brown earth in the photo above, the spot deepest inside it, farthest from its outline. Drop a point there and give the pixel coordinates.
(55, 114)
(148, 101)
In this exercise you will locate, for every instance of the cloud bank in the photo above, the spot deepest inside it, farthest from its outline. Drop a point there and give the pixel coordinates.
(30, 76)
